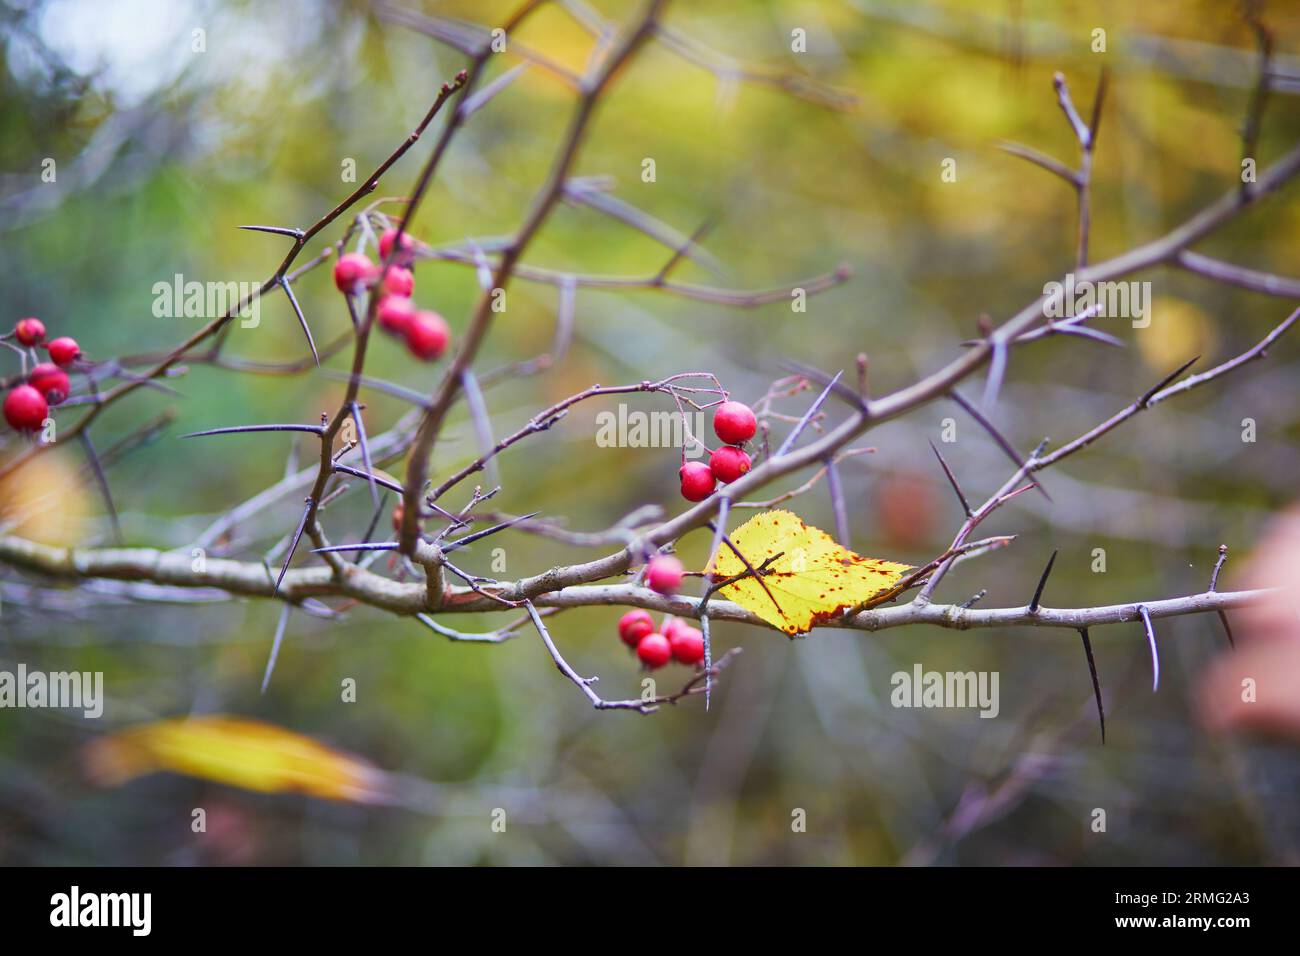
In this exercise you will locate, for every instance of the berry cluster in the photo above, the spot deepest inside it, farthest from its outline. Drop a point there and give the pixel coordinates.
(425, 332)
(28, 404)
(735, 424)
(674, 641)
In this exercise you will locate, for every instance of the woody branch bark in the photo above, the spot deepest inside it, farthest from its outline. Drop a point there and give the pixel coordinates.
(251, 579)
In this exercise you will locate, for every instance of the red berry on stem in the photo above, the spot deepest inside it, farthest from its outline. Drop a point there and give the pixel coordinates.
(663, 574)
(687, 644)
(398, 514)
(635, 625)
(734, 422)
(387, 240)
(352, 271)
(427, 335)
(25, 409)
(654, 651)
(399, 281)
(728, 463)
(396, 313)
(29, 331)
(64, 351)
(670, 627)
(51, 381)
(697, 480)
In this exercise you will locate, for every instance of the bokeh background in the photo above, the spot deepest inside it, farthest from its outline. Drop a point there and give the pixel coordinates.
(161, 153)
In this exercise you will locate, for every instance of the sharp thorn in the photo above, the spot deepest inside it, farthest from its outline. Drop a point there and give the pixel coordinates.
(1042, 582)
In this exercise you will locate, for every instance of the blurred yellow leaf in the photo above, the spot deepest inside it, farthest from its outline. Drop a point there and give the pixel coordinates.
(811, 578)
(239, 752)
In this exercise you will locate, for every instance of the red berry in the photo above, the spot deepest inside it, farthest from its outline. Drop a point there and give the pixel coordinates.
(635, 625)
(51, 381)
(427, 335)
(25, 409)
(399, 281)
(671, 626)
(398, 514)
(687, 644)
(352, 271)
(29, 331)
(654, 651)
(396, 313)
(697, 480)
(386, 246)
(64, 351)
(734, 422)
(663, 574)
(728, 463)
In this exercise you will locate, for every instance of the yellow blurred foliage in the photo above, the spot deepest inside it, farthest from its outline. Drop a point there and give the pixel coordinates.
(239, 752)
(555, 36)
(1179, 331)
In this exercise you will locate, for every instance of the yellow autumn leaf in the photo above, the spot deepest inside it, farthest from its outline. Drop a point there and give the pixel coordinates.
(812, 578)
(239, 752)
